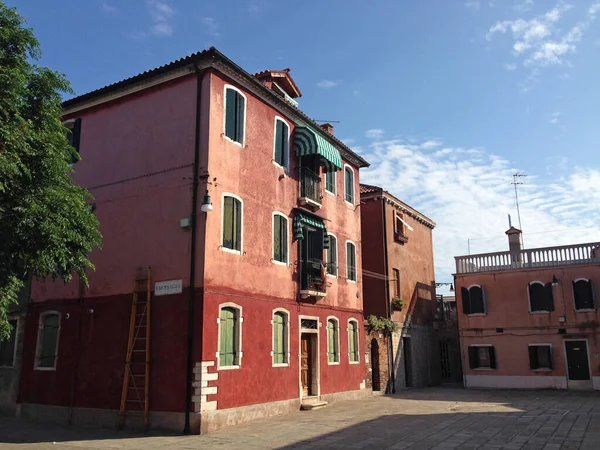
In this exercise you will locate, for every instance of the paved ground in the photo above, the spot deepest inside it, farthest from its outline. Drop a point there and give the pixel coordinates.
(435, 418)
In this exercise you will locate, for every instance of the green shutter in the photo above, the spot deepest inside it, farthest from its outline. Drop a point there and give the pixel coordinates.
(228, 222)
(349, 184)
(240, 103)
(285, 143)
(279, 338)
(279, 142)
(352, 343)
(230, 113)
(228, 338)
(284, 239)
(48, 351)
(331, 341)
(238, 224)
(351, 261)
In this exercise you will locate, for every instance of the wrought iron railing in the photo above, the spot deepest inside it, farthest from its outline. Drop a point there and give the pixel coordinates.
(312, 275)
(310, 185)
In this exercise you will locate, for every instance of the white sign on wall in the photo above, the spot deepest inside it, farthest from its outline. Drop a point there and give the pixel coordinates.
(168, 287)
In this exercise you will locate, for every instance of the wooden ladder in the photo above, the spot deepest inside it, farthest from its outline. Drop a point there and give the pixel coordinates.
(134, 398)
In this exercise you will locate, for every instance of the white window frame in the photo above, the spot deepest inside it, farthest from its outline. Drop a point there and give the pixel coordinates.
(337, 336)
(229, 86)
(593, 295)
(355, 262)
(482, 345)
(484, 313)
(334, 192)
(529, 298)
(287, 150)
(225, 249)
(352, 319)
(240, 323)
(543, 369)
(17, 326)
(353, 186)
(287, 337)
(286, 263)
(337, 256)
(38, 347)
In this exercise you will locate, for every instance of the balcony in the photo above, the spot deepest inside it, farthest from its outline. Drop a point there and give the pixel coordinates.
(536, 258)
(312, 281)
(310, 189)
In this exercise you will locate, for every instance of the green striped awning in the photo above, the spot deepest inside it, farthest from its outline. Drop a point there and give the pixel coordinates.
(309, 142)
(304, 219)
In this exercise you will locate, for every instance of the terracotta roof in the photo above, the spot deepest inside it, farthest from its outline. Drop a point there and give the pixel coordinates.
(289, 84)
(213, 54)
(367, 189)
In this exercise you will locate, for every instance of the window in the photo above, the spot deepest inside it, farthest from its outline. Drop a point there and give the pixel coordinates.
(280, 338)
(7, 348)
(540, 357)
(331, 256)
(230, 336)
(350, 261)
(74, 136)
(473, 300)
(353, 341)
(482, 357)
(232, 223)
(330, 181)
(540, 297)
(280, 238)
(396, 280)
(349, 184)
(282, 142)
(399, 226)
(333, 341)
(583, 292)
(235, 112)
(47, 347)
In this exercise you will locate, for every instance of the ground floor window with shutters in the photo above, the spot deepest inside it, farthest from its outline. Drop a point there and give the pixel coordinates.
(482, 357)
(230, 336)
(8, 346)
(353, 342)
(47, 344)
(540, 356)
(281, 341)
(333, 341)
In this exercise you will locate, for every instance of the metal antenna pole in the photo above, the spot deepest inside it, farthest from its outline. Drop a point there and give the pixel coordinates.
(515, 182)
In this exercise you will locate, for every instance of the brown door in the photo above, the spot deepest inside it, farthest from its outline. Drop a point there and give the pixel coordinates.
(305, 365)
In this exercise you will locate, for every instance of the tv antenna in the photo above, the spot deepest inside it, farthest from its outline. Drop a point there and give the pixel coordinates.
(516, 182)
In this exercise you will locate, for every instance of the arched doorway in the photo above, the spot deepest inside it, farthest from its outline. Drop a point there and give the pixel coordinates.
(375, 365)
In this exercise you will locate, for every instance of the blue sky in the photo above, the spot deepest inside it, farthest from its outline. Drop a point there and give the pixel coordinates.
(446, 98)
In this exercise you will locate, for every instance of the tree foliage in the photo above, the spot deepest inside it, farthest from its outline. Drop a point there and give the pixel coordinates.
(46, 227)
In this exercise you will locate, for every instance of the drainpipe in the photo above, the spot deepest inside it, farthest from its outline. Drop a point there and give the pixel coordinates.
(192, 297)
(387, 296)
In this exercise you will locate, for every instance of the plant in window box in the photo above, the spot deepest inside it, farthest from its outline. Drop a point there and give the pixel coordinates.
(398, 303)
(388, 326)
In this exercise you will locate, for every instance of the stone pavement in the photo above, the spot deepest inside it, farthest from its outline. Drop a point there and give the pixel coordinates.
(434, 418)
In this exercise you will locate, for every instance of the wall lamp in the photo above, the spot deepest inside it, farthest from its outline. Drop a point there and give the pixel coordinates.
(445, 284)
(206, 204)
(554, 280)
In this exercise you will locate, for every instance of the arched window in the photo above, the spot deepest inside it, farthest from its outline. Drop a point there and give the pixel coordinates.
(349, 184)
(583, 293)
(230, 336)
(540, 297)
(282, 142)
(232, 223)
(235, 114)
(473, 300)
(333, 341)
(353, 346)
(47, 345)
(281, 345)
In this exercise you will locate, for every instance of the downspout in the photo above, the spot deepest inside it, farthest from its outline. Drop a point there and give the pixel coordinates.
(192, 297)
(387, 296)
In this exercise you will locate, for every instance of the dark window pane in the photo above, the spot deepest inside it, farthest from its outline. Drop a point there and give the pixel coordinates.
(279, 142)
(349, 185)
(544, 357)
(279, 238)
(466, 300)
(351, 261)
(584, 298)
(48, 341)
(477, 301)
(332, 256)
(537, 297)
(240, 103)
(330, 181)
(230, 113)
(7, 347)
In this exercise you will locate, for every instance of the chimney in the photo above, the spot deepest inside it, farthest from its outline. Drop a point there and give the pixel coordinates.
(328, 127)
(514, 239)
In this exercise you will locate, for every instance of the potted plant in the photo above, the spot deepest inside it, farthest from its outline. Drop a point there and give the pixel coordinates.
(398, 303)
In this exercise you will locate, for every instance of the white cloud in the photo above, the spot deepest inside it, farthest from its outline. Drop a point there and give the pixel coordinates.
(375, 133)
(510, 66)
(108, 8)
(554, 117)
(211, 27)
(162, 18)
(526, 5)
(432, 143)
(327, 84)
(467, 192)
(472, 4)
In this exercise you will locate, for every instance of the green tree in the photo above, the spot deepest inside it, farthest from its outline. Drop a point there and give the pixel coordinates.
(46, 226)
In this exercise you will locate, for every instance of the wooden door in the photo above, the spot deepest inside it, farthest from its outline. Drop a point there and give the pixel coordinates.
(577, 360)
(306, 365)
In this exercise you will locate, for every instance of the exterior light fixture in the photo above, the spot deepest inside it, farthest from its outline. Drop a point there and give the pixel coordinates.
(451, 287)
(207, 204)
(437, 285)
(554, 280)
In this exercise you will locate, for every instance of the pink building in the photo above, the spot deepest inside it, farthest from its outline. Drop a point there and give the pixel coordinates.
(256, 304)
(528, 318)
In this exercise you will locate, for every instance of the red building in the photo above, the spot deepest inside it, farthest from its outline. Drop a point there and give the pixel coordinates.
(252, 312)
(398, 277)
(528, 318)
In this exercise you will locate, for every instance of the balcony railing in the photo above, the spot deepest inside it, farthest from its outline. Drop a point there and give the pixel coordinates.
(529, 258)
(310, 187)
(312, 282)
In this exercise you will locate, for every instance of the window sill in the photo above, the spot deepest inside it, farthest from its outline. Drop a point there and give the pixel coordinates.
(229, 250)
(333, 194)
(286, 169)
(350, 281)
(279, 263)
(540, 312)
(477, 315)
(350, 204)
(281, 365)
(228, 367)
(46, 369)
(354, 362)
(542, 369)
(585, 310)
(227, 138)
(333, 363)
